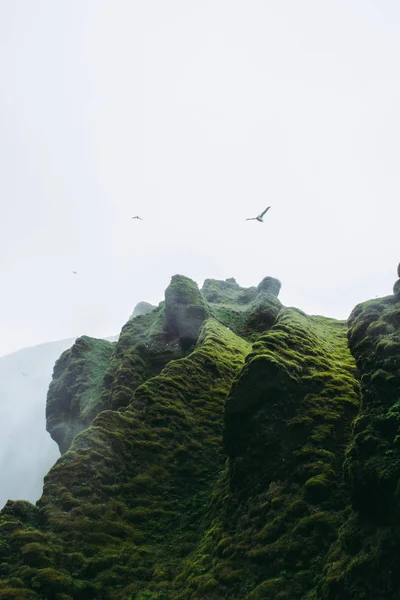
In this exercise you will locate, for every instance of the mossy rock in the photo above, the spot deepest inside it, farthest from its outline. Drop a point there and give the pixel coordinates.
(362, 562)
(147, 471)
(74, 396)
(270, 285)
(220, 469)
(287, 423)
(185, 310)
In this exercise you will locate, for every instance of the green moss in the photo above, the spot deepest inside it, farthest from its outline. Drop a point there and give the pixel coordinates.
(147, 471)
(246, 311)
(12, 593)
(362, 563)
(36, 554)
(287, 423)
(317, 488)
(217, 470)
(74, 395)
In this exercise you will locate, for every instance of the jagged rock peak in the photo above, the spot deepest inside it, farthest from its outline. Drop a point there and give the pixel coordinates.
(271, 285)
(142, 308)
(185, 310)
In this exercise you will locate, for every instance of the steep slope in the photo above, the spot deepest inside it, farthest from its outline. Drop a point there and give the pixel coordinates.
(73, 399)
(126, 503)
(363, 563)
(280, 502)
(26, 452)
(224, 469)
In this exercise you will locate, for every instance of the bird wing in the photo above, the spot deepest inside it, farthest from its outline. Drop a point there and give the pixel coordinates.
(263, 213)
(252, 219)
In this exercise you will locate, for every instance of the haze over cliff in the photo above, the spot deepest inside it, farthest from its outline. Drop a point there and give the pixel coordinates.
(26, 451)
(226, 447)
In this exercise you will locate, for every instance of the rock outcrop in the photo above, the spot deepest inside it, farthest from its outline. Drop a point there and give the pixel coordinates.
(74, 396)
(185, 310)
(248, 451)
(27, 451)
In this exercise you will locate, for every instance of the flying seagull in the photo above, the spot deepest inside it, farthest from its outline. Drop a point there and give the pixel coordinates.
(140, 218)
(75, 273)
(259, 217)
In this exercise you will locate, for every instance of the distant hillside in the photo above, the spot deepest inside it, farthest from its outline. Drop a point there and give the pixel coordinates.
(26, 449)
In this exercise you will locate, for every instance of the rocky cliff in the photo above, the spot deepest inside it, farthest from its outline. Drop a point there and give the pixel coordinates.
(225, 447)
(26, 450)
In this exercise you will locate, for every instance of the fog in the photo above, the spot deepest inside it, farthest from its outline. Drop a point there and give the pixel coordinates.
(27, 451)
(195, 116)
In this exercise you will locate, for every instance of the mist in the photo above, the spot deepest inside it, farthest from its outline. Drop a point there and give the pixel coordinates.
(194, 116)
(27, 451)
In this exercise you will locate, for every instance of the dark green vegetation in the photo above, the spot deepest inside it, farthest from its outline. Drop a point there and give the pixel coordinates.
(26, 450)
(233, 460)
(363, 563)
(73, 399)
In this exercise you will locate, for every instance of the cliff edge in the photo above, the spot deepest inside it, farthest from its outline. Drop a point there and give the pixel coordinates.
(225, 447)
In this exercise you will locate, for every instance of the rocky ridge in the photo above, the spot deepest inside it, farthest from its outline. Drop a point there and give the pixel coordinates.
(224, 447)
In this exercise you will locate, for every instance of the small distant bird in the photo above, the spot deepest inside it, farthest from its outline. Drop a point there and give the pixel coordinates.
(75, 273)
(259, 217)
(24, 374)
(140, 218)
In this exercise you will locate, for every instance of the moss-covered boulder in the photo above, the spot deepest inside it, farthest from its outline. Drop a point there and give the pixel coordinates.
(260, 315)
(227, 292)
(247, 311)
(270, 285)
(74, 396)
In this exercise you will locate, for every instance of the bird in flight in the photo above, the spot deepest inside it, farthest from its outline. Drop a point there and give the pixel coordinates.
(24, 374)
(140, 218)
(75, 273)
(260, 216)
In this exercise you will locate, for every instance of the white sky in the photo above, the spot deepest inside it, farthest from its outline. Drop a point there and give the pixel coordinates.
(195, 115)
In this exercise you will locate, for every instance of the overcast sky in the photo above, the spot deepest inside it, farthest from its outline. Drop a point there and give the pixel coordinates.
(195, 115)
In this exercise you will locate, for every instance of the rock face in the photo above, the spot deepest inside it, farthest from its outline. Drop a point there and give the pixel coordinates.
(271, 285)
(363, 561)
(74, 396)
(249, 451)
(27, 451)
(185, 310)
